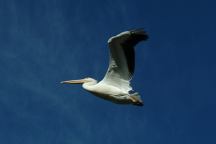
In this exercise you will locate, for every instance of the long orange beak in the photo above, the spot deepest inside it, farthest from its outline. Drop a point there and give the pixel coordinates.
(73, 81)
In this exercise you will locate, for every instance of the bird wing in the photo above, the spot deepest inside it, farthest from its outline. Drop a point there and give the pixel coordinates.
(122, 58)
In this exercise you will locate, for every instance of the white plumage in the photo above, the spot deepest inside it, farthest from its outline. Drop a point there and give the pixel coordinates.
(115, 85)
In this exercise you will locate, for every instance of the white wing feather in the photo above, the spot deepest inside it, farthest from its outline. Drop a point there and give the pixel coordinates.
(121, 63)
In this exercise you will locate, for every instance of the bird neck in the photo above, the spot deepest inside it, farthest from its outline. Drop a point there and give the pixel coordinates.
(89, 85)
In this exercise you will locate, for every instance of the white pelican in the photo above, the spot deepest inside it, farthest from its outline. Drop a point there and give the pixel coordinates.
(115, 85)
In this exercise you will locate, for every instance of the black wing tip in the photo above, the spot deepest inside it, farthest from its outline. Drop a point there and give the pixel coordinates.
(140, 33)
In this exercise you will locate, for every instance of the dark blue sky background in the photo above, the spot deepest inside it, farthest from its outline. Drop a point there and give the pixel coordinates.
(43, 42)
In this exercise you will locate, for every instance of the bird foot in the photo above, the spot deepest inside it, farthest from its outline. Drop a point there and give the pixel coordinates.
(136, 101)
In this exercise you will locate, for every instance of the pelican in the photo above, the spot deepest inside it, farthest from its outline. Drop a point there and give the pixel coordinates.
(115, 86)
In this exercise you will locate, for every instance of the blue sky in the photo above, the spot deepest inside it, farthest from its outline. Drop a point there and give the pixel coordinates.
(43, 42)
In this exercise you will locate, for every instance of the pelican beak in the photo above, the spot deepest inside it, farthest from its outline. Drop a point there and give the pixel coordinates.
(73, 81)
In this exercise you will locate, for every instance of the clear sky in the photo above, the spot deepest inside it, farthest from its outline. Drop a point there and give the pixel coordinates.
(43, 42)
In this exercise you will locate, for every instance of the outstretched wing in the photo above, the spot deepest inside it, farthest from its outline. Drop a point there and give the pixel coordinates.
(122, 58)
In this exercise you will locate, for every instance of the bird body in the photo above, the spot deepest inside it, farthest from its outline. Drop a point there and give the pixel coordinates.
(105, 91)
(115, 85)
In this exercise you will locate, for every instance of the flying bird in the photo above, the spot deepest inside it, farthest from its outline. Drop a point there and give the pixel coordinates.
(115, 86)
